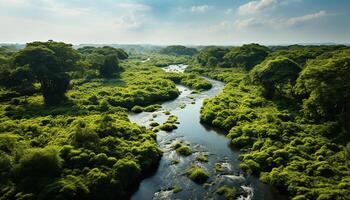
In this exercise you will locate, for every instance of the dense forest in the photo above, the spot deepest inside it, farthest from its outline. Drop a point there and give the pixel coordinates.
(64, 128)
(65, 132)
(288, 112)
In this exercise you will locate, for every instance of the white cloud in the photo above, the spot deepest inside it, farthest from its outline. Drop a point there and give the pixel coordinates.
(200, 9)
(133, 7)
(278, 22)
(255, 6)
(245, 23)
(305, 18)
(132, 15)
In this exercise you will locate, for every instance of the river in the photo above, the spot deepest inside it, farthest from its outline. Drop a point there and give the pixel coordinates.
(203, 140)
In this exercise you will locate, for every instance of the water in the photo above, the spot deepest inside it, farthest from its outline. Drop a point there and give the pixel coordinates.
(203, 140)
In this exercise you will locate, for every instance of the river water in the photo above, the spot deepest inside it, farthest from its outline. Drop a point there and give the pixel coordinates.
(203, 140)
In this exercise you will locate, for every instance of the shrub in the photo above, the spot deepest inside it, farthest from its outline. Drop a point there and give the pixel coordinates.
(137, 109)
(152, 108)
(228, 192)
(40, 162)
(197, 174)
(184, 150)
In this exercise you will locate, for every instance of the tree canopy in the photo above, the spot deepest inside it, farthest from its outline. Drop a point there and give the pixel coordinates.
(178, 50)
(49, 63)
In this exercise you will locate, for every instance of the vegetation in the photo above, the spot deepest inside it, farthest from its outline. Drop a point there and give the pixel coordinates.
(65, 133)
(150, 108)
(178, 50)
(182, 149)
(197, 174)
(169, 125)
(46, 63)
(202, 157)
(64, 130)
(246, 56)
(196, 82)
(227, 192)
(288, 115)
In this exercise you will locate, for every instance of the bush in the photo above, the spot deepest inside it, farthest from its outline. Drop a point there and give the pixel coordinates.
(40, 162)
(137, 109)
(184, 150)
(197, 174)
(228, 192)
(152, 108)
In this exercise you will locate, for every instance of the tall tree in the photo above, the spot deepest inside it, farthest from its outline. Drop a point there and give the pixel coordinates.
(110, 66)
(49, 63)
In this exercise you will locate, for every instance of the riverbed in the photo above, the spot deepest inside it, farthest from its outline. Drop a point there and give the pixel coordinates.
(169, 181)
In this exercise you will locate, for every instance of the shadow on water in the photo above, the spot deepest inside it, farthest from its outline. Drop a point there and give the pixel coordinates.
(169, 180)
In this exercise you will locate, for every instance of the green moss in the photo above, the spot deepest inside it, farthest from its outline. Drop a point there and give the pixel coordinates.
(152, 108)
(202, 158)
(137, 109)
(227, 192)
(184, 150)
(177, 189)
(197, 174)
(169, 125)
(154, 124)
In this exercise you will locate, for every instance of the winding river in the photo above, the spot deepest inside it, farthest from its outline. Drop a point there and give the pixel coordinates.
(203, 140)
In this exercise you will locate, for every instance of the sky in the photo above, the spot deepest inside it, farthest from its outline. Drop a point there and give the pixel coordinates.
(165, 22)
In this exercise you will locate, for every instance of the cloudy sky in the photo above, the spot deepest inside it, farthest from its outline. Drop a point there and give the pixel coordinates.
(221, 22)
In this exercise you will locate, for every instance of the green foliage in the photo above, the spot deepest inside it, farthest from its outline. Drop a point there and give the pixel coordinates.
(152, 108)
(202, 158)
(86, 148)
(110, 66)
(69, 187)
(196, 82)
(169, 125)
(104, 51)
(183, 150)
(37, 162)
(298, 148)
(212, 57)
(137, 109)
(325, 83)
(47, 63)
(178, 50)
(197, 174)
(277, 75)
(246, 56)
(227, 192)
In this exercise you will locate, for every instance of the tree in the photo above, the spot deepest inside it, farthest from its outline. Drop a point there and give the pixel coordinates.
(49, 63)
(275, 75)
(325, 84)
(211, 56)
(110, 66)
(246, 56)
(178, 50)
(20, 80)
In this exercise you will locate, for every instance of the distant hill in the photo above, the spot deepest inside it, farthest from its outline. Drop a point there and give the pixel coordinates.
(178, 50)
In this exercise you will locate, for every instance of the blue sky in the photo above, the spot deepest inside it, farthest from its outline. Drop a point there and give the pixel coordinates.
(220, 22)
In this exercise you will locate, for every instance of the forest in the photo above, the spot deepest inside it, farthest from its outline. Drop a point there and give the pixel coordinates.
(65, 131)
(288, 112)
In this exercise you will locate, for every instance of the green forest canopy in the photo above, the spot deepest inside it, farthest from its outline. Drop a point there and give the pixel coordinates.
(64, 131)
(289, 114)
